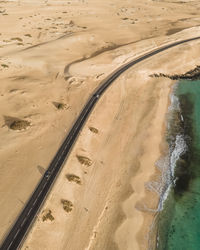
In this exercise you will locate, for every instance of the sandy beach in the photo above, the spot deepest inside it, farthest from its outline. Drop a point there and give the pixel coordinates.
(53, 54)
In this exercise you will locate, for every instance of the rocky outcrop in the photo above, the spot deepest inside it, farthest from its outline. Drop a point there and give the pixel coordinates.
(193, 74)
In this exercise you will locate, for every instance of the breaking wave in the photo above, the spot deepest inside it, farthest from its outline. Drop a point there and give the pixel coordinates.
(177, 147)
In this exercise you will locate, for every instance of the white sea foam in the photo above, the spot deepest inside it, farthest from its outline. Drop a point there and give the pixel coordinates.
(174, 103)
(168, 170)
(179, 149)
(167, 164)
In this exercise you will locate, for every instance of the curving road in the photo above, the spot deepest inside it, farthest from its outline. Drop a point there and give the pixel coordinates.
(26, 218)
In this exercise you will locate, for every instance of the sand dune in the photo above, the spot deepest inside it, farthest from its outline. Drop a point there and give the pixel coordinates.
(53, 54)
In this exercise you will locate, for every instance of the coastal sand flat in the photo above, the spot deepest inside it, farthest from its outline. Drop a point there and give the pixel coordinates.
(112, 208)
(53, 54)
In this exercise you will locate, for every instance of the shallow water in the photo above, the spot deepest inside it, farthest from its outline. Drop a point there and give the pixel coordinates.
(179, 221)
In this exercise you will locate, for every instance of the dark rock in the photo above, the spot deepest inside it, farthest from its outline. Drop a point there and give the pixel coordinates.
(193, 74)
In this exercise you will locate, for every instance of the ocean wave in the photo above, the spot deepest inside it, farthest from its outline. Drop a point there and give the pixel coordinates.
(167, 164)
(174, 102)
(177, 147)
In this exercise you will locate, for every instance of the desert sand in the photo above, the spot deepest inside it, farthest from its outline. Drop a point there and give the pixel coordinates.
(53, 54)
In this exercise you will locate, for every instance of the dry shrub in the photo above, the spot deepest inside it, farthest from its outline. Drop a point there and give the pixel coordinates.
(94, 130)
(47, 215)
(19, 125)
(4, 65)
(73, 178)
(84, 160)
(67, 205)
(17, 39)
(60, 105)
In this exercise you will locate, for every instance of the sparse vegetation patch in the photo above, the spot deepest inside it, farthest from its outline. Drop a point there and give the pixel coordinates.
(94, 130)
(4, 65)
(67, 205)
(73, 178)
(16, 39)
(60, 105)
(84, 160)
(47, 215)
(19, 125)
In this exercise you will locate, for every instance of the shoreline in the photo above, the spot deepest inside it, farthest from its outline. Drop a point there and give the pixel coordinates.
(176, 147)
(182, 205)
(156, 175)
(164, 153)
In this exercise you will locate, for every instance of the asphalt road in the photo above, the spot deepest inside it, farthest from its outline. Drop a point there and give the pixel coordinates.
(26, 217)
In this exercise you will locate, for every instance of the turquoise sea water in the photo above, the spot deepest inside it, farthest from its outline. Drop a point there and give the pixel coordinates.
(179, 221)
